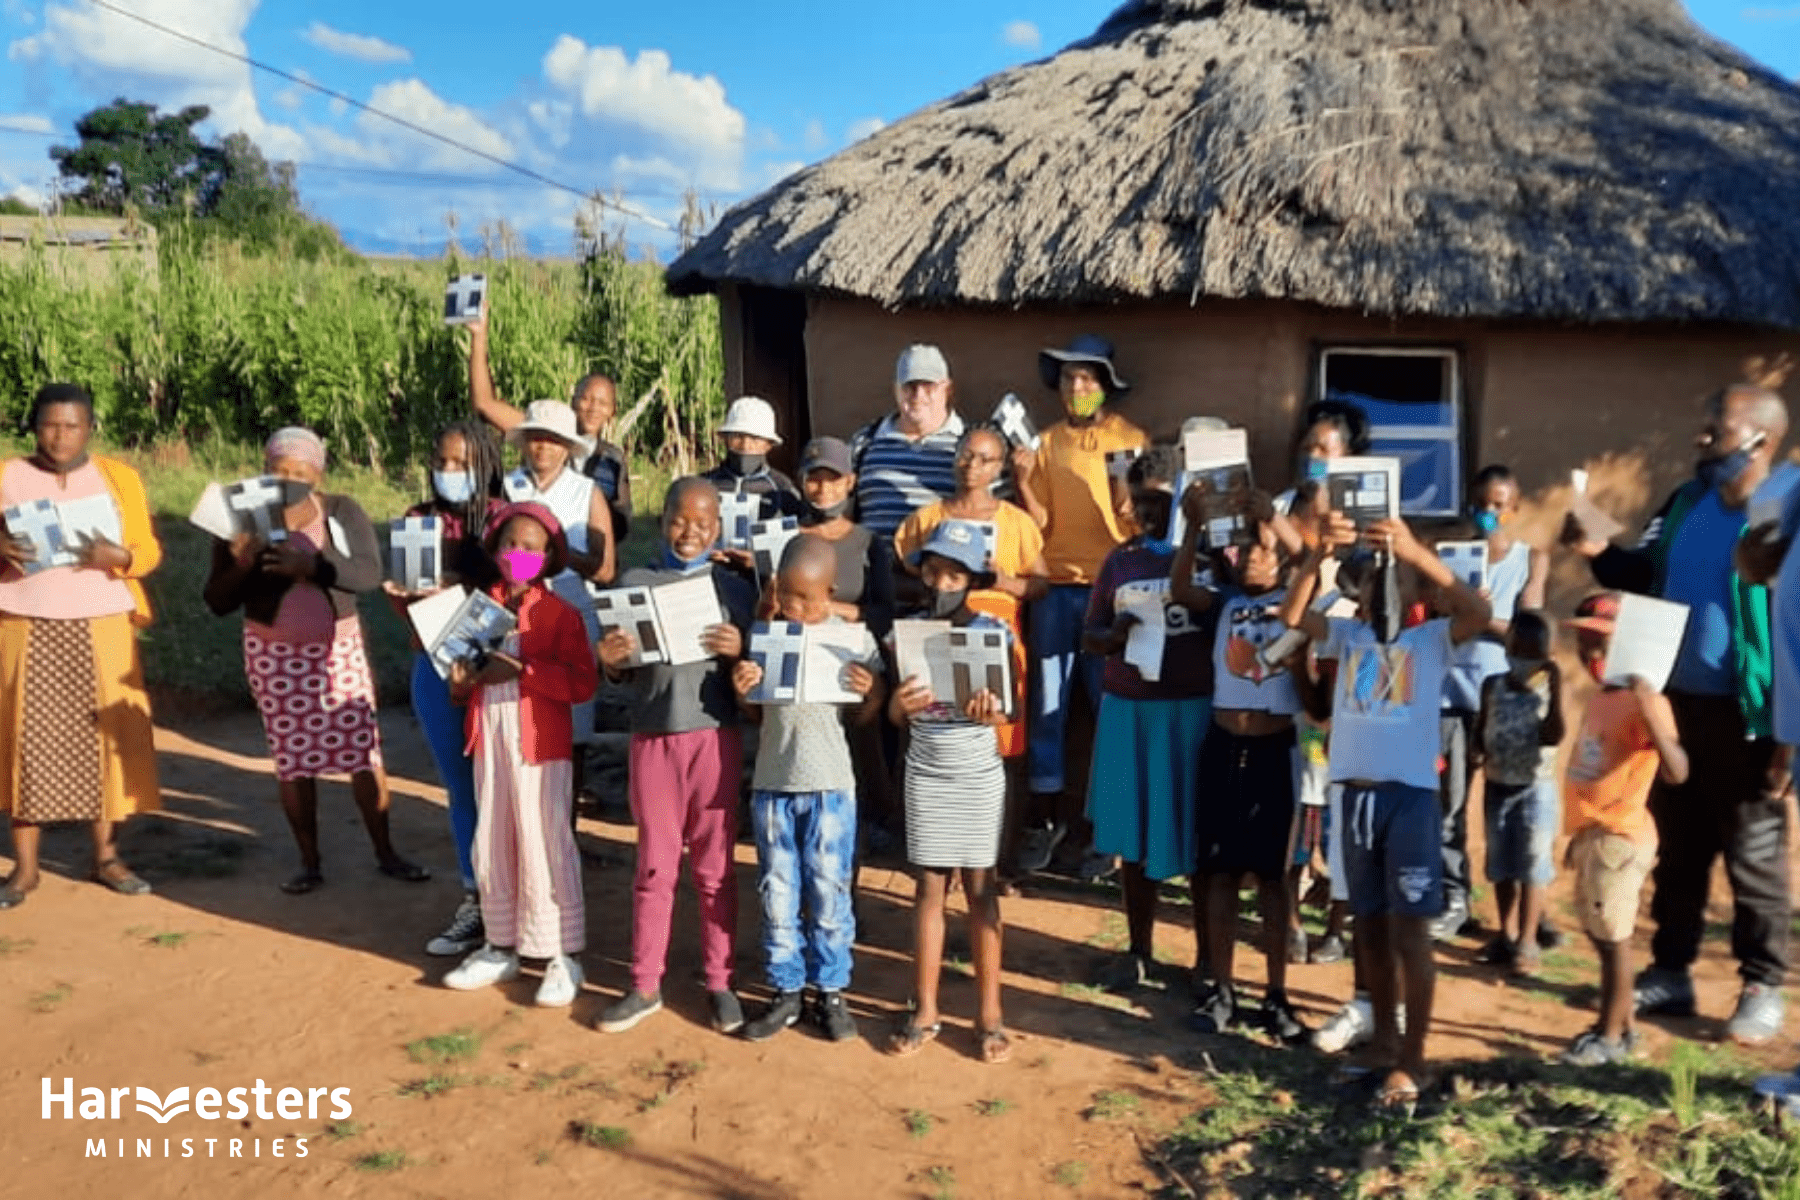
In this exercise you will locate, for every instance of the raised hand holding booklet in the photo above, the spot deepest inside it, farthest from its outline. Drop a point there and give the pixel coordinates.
(462, 299)
(1219, 458)
(1013, 420)
(1366, 490)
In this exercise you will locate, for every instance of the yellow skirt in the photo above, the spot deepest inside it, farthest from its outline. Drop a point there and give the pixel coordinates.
(119, 723)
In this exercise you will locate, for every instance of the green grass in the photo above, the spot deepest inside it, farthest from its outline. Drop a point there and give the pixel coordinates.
(382, 1161)
(942, 1180)
(600, 1137)
(919, 1123)
(343, 1131)
(995, 1107)
(1271, 1123)
(50, 1000)
(14, 946)
(1093, 993)
(459, 1045)
(1112, 1106)
(433, 1085)
(1070, 1174)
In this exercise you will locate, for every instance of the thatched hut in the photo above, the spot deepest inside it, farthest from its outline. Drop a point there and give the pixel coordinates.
(1536, 229)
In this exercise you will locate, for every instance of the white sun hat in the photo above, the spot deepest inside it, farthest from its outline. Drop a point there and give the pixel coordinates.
(751, 415)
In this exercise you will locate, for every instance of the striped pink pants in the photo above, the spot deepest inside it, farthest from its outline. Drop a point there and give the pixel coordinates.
(526, 865)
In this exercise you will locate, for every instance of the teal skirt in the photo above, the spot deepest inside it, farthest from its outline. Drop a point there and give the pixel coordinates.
(1145, 784)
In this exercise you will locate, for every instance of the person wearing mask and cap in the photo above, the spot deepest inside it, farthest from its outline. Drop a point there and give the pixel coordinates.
(749, 434)
(1734, 801)
(907, 459)
(1065, 487)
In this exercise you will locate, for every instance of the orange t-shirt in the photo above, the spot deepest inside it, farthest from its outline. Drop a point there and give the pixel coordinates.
(1611, 771)
(1071, 482)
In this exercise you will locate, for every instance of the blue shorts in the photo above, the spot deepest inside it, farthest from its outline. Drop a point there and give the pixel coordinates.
(1393, 850)
(1521, 831)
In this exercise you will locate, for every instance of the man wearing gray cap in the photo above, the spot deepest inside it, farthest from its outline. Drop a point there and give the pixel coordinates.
(907, 459)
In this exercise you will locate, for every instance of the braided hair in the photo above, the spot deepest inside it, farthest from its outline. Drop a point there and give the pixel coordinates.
(484, 470)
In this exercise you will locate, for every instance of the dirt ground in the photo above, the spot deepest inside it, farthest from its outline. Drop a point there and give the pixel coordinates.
(219, 979)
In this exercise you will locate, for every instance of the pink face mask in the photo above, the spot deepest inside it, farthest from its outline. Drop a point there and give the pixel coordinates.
(522, 566)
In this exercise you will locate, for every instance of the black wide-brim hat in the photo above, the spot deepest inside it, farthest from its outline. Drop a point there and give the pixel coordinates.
(1088, 348)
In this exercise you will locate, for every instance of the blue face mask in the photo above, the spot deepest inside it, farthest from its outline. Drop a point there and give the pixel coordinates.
(1316, 469)
(1486, 521)
(672, 561)
(1726, 469)
(1158, 545)
(453, 487)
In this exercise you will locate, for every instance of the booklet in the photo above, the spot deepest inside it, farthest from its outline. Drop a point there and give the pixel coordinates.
(462, 299)
(804, 664)
(1646, 639)
(667, 621)
(1468, 561)
(738, 511)
(1595, 522)
(1118, 462)
(1149, 635)
(1013, 420)
(1221, 459)
(1366, 490)
(416, 553)
(250, 506)
(955, 663)
(456, 624)
(57, 531)
(1278, 651)
(767, 541)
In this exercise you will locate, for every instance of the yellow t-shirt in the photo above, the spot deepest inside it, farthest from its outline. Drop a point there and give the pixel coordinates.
(1017, 539)
(1070, 481)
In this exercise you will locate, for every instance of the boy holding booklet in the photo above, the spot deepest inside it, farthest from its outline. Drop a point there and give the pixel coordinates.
(1628, 738)
(686, 763)
(955, 800)
(803, 808)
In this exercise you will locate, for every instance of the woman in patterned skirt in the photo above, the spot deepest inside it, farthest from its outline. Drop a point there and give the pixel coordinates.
(75, 732)
(303, 651)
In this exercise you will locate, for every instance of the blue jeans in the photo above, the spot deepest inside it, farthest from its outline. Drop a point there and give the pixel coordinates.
(1056, 624)
(445, 734)
(805, 843)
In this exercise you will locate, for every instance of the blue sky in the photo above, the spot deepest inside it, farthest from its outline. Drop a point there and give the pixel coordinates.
(632, 99)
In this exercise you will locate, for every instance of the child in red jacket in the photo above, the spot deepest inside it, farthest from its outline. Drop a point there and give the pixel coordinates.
(527, 869)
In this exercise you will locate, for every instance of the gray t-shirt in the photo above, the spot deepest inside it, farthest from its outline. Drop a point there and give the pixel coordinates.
(803, 749)
(695, 696)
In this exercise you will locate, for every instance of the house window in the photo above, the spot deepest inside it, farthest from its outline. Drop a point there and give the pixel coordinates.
(1413, 400)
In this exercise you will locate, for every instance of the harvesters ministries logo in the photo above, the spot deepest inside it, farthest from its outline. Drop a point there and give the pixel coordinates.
(188, 1106)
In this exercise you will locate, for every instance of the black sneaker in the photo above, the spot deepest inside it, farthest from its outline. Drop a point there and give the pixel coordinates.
(783, 1011)
(1549, 937)
(1499, 952)
(727, 1013)
(834, 1017)
(1216, 1010)
(1282, 1020)
(628, 1010)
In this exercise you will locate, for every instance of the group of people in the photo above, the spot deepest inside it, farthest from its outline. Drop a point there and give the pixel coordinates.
(1310, 694)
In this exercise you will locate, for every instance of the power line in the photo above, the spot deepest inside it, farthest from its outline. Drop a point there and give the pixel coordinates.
(302, 81)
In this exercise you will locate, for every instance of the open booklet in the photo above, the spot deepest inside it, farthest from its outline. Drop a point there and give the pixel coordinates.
(56, 531)
(1468, 561)
(805, 664)
(955, 663)
(1366, 490)
(455, 624)
(416, 553)
(666, 622)
(1645, 642)
(1219, 458)
(251, 506)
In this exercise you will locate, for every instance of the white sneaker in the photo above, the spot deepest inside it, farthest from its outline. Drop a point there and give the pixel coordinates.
(562, 980)
(484, 968)
(1351, 1025)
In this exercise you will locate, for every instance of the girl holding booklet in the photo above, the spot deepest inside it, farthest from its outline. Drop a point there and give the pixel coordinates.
(76, 742)
(955, 797)
(465, 485)
(520, 698)
(304, 655)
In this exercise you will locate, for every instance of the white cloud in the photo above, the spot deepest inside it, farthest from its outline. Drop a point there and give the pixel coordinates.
(1022, 34)
(26, 123)
(293, 96)
(1790, 12)
(27, 194)
(775, 172)
(814, 136)
(413, 100)
(359, 46)
(644, 106)
(861, 129)
(109, 55)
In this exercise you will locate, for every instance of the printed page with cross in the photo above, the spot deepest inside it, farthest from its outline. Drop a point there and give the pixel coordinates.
(415, 553)
(778, 647)
(633, 609)
(462, 299)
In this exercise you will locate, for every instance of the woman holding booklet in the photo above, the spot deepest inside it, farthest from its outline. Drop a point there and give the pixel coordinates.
(303, 650)
(76, 741)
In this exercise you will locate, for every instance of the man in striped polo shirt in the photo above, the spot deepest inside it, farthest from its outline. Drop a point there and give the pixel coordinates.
(907, 459)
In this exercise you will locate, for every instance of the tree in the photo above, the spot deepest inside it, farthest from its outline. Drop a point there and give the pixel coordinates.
(132, 155)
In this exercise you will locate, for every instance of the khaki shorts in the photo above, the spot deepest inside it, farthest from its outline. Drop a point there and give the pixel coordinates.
(1610, 870)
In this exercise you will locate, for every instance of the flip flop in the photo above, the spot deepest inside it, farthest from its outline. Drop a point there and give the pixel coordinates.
(11, 897)
(405, 872)
(996, 1047)
(304, 882)
(1391, 1097)
(126, 883)
(912, 1037)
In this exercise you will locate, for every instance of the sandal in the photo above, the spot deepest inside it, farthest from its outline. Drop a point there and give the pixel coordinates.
(996, 1047)
(304, 882)
(1392, 1096)
(120, 878)
(405, 872)
(912, 1037)
(11, 897)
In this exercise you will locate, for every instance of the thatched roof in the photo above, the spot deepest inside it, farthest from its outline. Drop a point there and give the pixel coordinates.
(1587, 160)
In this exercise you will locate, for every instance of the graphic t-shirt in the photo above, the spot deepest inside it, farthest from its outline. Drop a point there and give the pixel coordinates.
(1612, 769)
(1512, 732)
(1240, 680)
(1384, 719)
(1135, 578)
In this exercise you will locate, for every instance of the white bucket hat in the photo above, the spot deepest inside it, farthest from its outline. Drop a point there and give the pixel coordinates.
(751, 415)
(553, 418)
